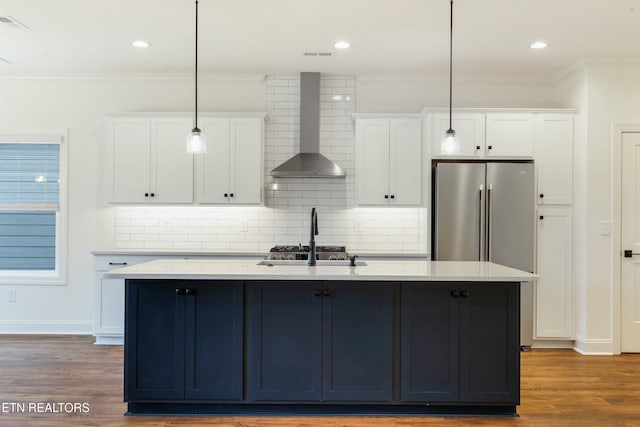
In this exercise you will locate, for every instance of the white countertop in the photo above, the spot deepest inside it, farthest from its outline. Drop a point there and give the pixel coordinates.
(199, 269)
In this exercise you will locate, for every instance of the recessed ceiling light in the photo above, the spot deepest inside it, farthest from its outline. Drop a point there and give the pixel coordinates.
(140, 43)
(538, 45)
(342, 44)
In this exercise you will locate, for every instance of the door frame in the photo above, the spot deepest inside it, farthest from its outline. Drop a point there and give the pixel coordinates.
(618, 129)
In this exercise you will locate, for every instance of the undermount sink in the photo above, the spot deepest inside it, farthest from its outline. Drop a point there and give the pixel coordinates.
(304, 262)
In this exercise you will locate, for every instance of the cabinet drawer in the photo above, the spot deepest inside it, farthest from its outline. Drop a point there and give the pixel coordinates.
(112, 262)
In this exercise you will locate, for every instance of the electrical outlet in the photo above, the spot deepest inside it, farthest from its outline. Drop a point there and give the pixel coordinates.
(12, 295)
(244, 226)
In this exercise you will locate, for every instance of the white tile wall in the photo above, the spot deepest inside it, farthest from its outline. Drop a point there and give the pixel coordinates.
(285, 217)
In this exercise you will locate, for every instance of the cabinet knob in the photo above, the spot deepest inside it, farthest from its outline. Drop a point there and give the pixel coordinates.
(541, 195)
(455, 294)
(226, 194)
(317, 292)
(386, 196)
(179, 291)
(189, 291)
(231, 195)
(490, 147)
(477, 147)
(153, 194)
(393, 196)
(464, 294)
(326, 293)
(541, 216)
(146, 194)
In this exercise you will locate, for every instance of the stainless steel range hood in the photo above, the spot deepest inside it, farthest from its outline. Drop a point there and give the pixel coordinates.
(309, 163)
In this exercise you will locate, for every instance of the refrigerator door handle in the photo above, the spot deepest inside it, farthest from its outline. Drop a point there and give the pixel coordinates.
(489, 220)
(480, 220)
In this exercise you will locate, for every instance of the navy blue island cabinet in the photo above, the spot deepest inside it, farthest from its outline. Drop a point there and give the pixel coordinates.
(321, 347)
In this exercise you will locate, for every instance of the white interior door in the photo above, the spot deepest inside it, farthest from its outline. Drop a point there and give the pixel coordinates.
(630, 241)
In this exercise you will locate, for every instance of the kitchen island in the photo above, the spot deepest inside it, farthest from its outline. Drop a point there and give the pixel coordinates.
(236, 337)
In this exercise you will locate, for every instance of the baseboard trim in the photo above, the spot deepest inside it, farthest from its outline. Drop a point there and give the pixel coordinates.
(52, 327)
(594, 347)
(568, 344)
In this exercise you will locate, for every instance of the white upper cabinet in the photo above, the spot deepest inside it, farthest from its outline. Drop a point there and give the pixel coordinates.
(231, 171)
(509, 134)
(469, 129)
(554, 158)
(147, 160)
(388, 161)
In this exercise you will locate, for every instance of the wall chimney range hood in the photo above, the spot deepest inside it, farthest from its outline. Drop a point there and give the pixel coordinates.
(309, 163)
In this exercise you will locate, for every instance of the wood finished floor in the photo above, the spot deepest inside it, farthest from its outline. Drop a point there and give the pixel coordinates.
(559, 388)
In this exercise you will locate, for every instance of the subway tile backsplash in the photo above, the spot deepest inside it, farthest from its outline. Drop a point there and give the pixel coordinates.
(285, 216)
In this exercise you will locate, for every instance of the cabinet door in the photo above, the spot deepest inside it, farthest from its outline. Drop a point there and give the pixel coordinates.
(128, 160)
(154, 341)
(171, 165)
(554, 158)
(283, 342)
(372, 161)
(357, 342)
(469, 129)
(429, 343)
(489, 343)
(245, 185)
(405, 159)
(554, 289)
(212, 168)
(509, 135)
(214, 342)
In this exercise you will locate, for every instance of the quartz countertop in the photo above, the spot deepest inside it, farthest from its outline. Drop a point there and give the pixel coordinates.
(206, 269)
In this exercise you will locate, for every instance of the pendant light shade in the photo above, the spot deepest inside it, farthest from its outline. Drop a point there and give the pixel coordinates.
(450, 144)
(196, 142)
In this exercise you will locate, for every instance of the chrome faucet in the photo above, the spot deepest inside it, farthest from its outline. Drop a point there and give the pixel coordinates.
(312, 238)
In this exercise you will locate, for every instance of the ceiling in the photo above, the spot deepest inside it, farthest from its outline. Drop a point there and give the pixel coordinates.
(398, 37)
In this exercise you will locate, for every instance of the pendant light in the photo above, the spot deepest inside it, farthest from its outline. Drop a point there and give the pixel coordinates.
(450, 144)
(196, 142)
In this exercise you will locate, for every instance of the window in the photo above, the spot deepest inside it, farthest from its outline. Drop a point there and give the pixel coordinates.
(31, 210)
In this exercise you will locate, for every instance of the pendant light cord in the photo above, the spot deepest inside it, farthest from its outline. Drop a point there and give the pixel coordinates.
(451, 68)
(196, 71)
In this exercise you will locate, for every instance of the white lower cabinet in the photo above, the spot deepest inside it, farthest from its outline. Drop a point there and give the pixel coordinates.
(108, 323)
(554, 291)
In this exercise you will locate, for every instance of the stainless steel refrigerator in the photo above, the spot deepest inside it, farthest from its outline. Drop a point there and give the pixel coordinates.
(485, 211)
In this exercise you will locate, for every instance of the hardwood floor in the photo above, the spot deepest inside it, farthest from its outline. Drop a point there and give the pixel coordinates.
(559, 388)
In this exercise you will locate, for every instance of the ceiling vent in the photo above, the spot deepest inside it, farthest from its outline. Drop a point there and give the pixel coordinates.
(12, 22)
(318, 54)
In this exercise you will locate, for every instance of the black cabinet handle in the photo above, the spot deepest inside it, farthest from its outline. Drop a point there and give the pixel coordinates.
(464, 294)
(541, 216)
(317, 292)
(490, 147)
(226, 195)
(189, 291)
(393, 196)
(117, 263)
(153, 194)
(231, 195)
(455, 294)
(541, 195)
(386, 196)
(477, 147)
(146, 194)
(179, 291)
(326, 293)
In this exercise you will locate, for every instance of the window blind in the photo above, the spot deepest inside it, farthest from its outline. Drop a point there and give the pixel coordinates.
(29, 176)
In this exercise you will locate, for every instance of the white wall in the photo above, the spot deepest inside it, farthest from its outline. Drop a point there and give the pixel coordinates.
(43, 105)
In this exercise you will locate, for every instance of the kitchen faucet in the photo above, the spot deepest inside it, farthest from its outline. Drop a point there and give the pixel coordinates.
(312, 238)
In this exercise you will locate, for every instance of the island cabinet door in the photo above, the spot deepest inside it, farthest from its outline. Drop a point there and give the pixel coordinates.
(429, 342)
(154, 341)
(357, 342)
(490, 343)
(214, 341)
(283, 341)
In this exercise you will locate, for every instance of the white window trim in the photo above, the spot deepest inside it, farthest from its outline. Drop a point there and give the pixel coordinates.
(59, 275)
